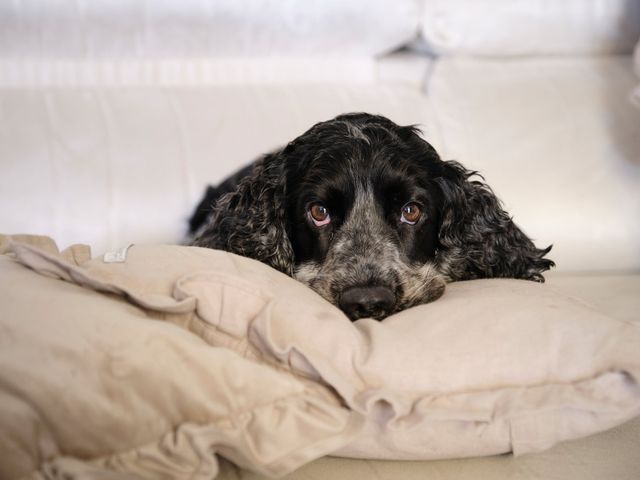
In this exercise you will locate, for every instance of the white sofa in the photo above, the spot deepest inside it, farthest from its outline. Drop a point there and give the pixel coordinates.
(114, 117)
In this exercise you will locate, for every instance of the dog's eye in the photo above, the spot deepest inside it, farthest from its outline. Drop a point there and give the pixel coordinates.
(319, 214)
(410, 214)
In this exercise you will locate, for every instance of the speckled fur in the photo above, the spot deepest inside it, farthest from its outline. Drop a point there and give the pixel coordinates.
(465, 233)
(363, 252)
(251, 221)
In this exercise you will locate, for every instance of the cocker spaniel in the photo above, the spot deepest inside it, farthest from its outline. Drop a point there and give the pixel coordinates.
(366, 213)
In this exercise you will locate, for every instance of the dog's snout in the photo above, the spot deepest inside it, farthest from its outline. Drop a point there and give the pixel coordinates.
(361, 302)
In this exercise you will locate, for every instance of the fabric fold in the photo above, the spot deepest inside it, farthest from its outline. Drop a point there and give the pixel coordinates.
(209, 353)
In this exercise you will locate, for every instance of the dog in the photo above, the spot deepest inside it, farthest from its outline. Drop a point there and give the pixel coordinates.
(365, 212)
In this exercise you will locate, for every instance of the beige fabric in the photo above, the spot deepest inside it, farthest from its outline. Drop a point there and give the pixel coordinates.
(611, 455)
(493, 367)
(94, 377)
(75, 254)
(614, 293)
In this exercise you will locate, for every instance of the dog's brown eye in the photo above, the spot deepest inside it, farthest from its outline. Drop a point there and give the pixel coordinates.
(319, 214)
(411, 213)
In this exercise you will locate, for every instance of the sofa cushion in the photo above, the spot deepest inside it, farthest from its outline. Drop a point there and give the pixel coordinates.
(104, 29)
(530, 27)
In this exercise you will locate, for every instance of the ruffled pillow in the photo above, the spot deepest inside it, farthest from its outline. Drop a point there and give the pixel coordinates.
(494, 366)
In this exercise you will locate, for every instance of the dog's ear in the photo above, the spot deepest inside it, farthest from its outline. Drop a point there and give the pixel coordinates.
(251, 221)
(478, 239)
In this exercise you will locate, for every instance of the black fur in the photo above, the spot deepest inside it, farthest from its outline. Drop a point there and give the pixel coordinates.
(364, 168)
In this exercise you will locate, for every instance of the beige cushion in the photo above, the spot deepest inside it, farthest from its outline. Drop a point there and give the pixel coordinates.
(494, 366)
(90, 381)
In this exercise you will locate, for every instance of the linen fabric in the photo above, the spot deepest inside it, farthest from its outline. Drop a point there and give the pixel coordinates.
(151, 364)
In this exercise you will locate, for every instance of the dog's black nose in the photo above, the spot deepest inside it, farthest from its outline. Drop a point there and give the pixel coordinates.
(361, 302)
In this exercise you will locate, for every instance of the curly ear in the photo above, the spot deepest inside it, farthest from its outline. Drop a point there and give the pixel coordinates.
(251, 221)
(478, 238)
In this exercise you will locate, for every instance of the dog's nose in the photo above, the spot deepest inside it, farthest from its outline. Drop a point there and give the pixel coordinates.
(361, 302)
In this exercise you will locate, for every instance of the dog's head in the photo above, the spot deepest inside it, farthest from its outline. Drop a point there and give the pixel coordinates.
(365, 213)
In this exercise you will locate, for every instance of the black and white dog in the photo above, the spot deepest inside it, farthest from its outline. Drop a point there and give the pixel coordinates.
(366, 213)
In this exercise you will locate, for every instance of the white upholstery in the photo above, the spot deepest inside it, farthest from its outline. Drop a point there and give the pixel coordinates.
(530, 27)
(109, 29)
(128, 165)
(556, 139)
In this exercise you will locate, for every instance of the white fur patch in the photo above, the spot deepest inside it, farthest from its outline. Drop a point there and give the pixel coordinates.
(306, 272)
